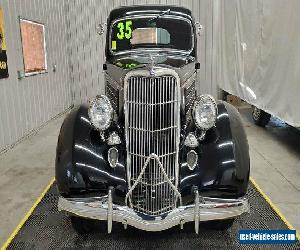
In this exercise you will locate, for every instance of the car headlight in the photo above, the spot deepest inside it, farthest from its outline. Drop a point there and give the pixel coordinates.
(100, 112)
(205, 112)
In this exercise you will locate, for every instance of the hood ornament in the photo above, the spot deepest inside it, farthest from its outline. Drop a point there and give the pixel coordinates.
(151, 66)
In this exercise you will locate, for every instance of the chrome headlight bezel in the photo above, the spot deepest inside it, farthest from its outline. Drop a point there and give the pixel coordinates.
(203, 102)
(100, 100)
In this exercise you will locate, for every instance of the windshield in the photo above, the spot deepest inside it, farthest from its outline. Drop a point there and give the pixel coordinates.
(163, 32)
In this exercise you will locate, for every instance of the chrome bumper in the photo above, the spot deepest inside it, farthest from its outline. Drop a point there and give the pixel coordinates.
(203, 209)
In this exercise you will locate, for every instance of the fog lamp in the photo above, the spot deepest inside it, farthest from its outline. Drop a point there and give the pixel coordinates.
(113, 156)
(191, 159)
(191, 140)
(113, 139)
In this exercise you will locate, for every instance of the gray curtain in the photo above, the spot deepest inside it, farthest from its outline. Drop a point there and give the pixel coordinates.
(258, 53)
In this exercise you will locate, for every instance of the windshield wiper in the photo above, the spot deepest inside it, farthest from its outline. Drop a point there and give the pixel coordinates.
(160, 15)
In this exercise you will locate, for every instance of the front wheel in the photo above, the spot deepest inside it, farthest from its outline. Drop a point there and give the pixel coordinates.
(260, 117)
(220, 225)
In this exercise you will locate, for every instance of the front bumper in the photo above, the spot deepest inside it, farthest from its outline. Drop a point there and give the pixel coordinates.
(203, 209)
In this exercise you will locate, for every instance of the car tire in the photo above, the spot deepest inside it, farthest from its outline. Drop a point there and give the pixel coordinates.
(82, 225)
(220, 225)
(260, 117)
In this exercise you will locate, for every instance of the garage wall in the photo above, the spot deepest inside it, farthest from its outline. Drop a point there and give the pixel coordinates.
(28, 103)
(87, 47)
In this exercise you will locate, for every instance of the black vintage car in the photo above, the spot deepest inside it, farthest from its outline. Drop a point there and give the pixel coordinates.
(152, 152)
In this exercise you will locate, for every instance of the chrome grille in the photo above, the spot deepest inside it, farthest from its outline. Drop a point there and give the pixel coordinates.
(152, 128)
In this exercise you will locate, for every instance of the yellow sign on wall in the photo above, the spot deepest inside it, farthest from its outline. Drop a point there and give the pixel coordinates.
(3, 56)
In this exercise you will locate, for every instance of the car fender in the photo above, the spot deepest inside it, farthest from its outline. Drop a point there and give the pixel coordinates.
(223, 159)
(81, 157)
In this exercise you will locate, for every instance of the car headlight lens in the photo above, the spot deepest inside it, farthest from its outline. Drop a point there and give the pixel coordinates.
(205, 112)
(101, 112)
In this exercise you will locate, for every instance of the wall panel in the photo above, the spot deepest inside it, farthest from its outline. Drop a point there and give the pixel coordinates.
(28, 103)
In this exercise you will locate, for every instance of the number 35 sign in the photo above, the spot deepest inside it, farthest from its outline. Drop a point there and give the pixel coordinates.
(3, 57)
(124, 30)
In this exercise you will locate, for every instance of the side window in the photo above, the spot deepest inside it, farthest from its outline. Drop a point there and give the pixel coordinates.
(34, 47)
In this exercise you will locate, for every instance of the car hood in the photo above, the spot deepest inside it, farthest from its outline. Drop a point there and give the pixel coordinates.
(184, 65)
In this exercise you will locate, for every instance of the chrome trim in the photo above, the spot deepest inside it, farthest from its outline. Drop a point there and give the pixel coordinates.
(189, 81)
(109, 212)
(183, 14)
(133, 133)
(202, 135)
(197, 212)
(102, 208)
(138, 180)
(165, 12)
(153, 49)
(113, 82)
(129, 13)
(155, 55)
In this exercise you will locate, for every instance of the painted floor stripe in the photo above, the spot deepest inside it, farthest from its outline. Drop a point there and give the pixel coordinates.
(19, 226)
(272, 205)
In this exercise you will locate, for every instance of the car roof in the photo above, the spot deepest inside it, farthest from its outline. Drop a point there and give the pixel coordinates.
(146, 9)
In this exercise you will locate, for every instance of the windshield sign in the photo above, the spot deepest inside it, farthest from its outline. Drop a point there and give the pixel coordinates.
(170, 33)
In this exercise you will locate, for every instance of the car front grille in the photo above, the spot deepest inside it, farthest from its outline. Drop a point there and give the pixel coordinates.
(152, 128)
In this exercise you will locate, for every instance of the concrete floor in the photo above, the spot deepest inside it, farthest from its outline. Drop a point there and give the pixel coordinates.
(25, 172)
(275, 163)
(28, 168)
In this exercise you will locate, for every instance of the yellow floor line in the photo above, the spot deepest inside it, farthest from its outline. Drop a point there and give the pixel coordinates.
(17, 229)
(272, 205)
(19, 226)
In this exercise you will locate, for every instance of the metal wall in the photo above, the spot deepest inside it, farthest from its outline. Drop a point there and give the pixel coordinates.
(87, 47)
(28, 103)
